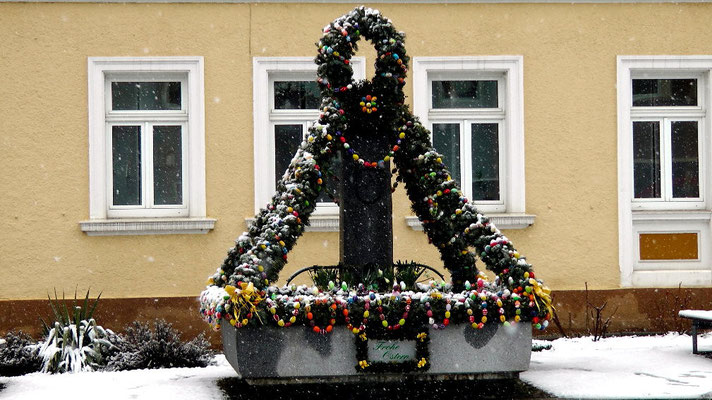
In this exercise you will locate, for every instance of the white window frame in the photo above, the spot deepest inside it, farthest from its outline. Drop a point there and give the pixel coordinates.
(509, 73)
(267, 70)
(666, 115)
(106, 219)
(665, 215)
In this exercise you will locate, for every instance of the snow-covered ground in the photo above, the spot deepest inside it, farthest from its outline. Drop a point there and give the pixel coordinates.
(154, 384)
(626, 367)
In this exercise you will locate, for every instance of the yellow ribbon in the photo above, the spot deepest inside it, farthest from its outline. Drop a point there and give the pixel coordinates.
(244, 298)
(543, 293)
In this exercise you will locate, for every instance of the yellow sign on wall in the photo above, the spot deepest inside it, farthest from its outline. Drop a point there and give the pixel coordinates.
(668, 246)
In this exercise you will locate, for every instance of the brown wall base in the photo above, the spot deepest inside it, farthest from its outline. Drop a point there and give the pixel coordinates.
(114, 314)
(630, 310)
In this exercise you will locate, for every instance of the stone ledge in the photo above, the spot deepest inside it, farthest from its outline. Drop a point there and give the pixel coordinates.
(147, 226)
(317, 223)
(501, 221)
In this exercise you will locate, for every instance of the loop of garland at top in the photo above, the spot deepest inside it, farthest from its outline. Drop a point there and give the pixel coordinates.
(451, 222)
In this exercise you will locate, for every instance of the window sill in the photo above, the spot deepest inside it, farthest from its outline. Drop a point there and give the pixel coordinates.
(672, 215)
(147, 226)
(318, 223)
(501, 221)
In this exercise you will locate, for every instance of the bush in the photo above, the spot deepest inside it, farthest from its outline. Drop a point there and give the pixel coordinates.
(18, 355)
(140, 348)
(74, 342)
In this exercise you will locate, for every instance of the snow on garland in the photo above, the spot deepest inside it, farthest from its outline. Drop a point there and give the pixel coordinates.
(240, 290)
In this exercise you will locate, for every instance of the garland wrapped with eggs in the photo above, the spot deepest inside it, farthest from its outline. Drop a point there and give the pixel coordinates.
(241, 292)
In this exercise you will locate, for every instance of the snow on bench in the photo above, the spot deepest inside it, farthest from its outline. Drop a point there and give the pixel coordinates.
(701, 319)
(696, 314)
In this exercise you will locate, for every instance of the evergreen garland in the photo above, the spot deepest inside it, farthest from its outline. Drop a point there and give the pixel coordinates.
(240, 290)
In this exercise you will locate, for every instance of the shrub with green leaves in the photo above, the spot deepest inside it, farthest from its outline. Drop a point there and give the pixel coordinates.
(74, 342)
(18, 354)
(140, 348)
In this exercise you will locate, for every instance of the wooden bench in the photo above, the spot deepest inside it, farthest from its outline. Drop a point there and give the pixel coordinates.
(701, 319)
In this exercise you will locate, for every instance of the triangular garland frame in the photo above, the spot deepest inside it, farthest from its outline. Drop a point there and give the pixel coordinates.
(451, 222)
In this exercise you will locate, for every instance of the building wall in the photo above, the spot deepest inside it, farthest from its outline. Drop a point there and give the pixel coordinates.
(570, 121)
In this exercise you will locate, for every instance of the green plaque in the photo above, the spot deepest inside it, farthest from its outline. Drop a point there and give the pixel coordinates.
(391, 351)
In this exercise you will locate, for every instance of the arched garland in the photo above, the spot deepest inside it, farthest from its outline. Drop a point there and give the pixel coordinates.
(241, 284)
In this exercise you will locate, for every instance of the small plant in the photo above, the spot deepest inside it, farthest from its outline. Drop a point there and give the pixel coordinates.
(667, 307)
(322, 276)
(74, 342)
(409, 273)
(18, 355)
(369, 277)
(140, 347)
(595, 323)
(540, 345)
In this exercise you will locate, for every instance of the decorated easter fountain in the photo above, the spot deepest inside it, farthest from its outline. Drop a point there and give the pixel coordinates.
(369, 318)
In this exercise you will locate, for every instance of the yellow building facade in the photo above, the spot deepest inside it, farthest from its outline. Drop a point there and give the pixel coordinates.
(568, 143)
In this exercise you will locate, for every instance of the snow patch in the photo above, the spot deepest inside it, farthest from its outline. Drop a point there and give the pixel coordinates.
(173, 383)
(622, 367)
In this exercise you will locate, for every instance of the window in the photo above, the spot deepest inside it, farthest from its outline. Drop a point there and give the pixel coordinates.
(473, 107)
(666, 118)
(146, 135)
(287, 100)
(663, 159)
(466, 118)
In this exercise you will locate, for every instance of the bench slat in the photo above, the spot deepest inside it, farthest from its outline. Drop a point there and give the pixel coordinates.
(703, 315)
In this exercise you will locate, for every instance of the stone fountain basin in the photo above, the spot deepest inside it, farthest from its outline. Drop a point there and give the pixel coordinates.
(269, 354)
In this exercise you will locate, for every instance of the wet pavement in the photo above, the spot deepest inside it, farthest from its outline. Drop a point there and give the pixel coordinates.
(501, 389)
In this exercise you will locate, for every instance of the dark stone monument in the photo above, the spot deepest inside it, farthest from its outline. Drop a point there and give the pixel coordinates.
(366, 223)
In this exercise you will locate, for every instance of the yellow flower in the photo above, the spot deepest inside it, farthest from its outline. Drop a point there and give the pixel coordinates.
(422, 362)
(363, 364)
(422, 336)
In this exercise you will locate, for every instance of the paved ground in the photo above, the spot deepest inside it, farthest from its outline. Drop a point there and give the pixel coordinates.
(235, 389)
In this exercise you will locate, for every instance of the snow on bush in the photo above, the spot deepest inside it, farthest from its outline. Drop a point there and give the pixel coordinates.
(140, 347)
(18, 355)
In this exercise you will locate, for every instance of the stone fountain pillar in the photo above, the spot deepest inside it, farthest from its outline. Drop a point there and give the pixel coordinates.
(366, 223)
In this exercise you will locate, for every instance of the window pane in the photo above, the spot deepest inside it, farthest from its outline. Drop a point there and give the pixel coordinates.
(465, 94)
(167, 165)
(286, 142)
(145, 95)
(331, 184)
(646, 159)
(664, 92)
(446, 140)
(485, 161)
(685, 159)
(126, 162)
(302, 95)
